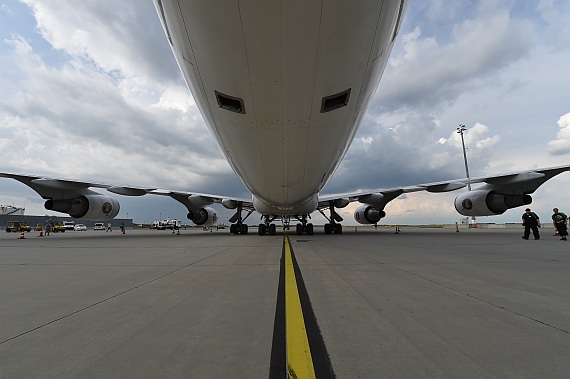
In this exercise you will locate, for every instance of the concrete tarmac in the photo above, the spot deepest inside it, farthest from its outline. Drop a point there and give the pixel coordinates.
(148, 304)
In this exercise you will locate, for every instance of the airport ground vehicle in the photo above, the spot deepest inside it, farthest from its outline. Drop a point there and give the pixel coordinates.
(69, 225)
(17, 226)
(38, 228)
(166, 224)
(58, 227)
(99, 226)
(80, 228)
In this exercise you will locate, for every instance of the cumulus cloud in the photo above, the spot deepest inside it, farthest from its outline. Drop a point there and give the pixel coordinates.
(561, 145)
(125, 37)
(93, 114)
(428, 75)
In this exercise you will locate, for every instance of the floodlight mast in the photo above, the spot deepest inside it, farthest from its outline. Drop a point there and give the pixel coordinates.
(462, 129)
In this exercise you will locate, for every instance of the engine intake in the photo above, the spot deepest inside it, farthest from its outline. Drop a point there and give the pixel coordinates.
(203, 216)
(367, 214)
(488, 203)
(91, 207)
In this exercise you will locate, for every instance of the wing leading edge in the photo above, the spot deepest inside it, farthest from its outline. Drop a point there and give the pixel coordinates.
(77, 199)
(496, 194)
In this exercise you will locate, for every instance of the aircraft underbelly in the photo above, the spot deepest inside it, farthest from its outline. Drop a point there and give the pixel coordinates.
(260, 71)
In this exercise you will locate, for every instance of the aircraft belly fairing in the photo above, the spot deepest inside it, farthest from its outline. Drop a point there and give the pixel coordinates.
(262, 71)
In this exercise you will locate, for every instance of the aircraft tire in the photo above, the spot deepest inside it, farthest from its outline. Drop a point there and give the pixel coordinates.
(338, 229)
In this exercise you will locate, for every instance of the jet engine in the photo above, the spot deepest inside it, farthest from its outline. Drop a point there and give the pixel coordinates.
(367, 214)
(91, 207)
(488, 203)
(203, 216)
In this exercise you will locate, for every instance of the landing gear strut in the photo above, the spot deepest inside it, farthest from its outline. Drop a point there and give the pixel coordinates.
(333, 226)
(304, 227)
(267, 227)
(239, 227)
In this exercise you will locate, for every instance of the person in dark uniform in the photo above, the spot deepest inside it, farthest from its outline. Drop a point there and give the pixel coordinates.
(559, 221)
(530, 221)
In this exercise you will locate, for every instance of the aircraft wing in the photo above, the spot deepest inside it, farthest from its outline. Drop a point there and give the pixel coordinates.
(76, 197)
(496, 194)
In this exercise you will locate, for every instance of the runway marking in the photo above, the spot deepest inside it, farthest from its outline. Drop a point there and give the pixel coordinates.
(298, 349)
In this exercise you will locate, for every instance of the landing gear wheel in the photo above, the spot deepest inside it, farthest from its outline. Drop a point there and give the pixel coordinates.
(337, 228)
(233, 228)
(244, 229)
(261, 230)
(328, 229)
(309, 229)
(272, 229)
(299, 229)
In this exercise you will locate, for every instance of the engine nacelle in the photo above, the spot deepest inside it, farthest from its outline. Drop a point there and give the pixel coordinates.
(90, 207)
(488, 203)
(367, 214)
(203, 216)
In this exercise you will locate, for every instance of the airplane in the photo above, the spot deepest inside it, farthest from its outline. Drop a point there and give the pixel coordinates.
(283, 87)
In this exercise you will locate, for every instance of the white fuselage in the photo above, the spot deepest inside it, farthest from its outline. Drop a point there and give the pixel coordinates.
(260, 70)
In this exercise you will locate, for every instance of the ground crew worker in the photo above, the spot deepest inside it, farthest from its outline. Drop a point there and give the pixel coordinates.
(48, 226)
(559, 222)
(530, 221)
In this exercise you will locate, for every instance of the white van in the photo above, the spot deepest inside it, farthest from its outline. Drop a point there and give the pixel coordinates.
(99, 226)
(68, 225)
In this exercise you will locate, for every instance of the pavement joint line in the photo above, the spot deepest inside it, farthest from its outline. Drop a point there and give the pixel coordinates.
(110, 298)
(476, 298)
(393, 265)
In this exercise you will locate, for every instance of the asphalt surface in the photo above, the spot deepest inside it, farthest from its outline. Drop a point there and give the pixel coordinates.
(148, 304)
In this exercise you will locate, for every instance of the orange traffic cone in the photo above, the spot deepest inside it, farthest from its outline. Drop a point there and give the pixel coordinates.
(556, 233)
(41, 233)
(22, 236)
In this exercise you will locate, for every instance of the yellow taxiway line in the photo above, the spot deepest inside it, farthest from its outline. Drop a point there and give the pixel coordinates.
(299, 360)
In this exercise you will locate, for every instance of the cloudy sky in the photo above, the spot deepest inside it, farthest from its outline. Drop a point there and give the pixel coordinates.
(92, 92)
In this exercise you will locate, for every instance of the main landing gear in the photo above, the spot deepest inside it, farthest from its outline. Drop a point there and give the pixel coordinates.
(238, 226)
(267, 227)
(333, 226)
(304, 227)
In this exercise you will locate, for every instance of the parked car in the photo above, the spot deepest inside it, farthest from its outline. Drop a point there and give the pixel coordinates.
(69, 225)
(18, 226)
(99, 226)
(80, 228)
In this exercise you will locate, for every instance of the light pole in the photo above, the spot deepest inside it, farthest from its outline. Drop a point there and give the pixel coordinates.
(461, 129)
